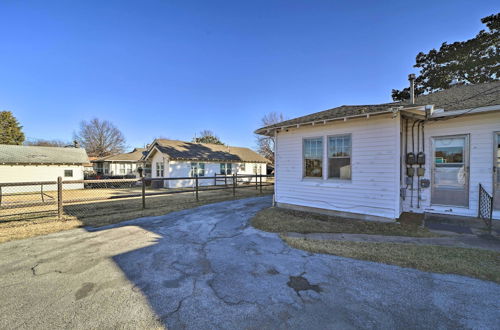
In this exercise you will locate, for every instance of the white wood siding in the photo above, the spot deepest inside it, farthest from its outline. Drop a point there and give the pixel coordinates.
(183, 169)
(480, 128)
(28, 173)
(374, 188)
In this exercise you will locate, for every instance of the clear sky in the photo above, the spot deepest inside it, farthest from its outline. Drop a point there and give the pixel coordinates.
(173, 68)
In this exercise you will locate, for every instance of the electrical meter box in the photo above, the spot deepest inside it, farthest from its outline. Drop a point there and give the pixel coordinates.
(410, 171)
(410, 158)
(425, 183)
(409, 180)
(420, 171)
(421, 158)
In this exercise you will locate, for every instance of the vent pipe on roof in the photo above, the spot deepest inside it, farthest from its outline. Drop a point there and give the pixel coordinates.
(411, 78)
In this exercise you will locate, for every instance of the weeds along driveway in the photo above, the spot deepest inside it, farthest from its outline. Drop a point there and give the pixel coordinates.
(207, 268)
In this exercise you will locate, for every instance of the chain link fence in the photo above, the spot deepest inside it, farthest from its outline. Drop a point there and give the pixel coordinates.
(97, 198)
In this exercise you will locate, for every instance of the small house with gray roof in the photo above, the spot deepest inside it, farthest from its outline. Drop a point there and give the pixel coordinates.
(430, 154)
(124, 164)
(173, 158)
(34, 163)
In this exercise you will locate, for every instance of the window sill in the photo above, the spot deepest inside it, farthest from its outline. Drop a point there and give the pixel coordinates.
(336, 183)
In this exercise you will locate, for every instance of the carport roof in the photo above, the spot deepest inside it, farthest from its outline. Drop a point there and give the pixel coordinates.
(14, 154)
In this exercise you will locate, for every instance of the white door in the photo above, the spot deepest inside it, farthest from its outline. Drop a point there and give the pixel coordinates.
(450, 171)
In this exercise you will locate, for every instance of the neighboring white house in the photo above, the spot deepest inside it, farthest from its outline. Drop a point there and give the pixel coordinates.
(33, 163)
(125, 164)
(353, 160)
(172, 158)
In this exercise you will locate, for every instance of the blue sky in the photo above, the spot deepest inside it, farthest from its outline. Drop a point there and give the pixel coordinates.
(173, 68)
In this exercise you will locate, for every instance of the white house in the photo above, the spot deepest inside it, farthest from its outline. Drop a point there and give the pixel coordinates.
(125, 164)
(173, 158)
(33, 163)
(377, 161)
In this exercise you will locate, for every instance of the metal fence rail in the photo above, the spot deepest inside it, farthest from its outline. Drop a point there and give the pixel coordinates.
(27, 200)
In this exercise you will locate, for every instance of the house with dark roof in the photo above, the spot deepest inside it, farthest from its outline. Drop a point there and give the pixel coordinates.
(426, 155)
(125, 164)
(173, 158)
(34, 163)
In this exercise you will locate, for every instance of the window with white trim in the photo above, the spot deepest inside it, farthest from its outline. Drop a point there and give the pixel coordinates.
(313, 157)
(339, 157)
(122, 168)
(159, 169)
(197, 169)
(226, 168)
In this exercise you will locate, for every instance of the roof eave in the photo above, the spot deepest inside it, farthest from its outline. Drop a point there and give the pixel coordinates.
(269, 130)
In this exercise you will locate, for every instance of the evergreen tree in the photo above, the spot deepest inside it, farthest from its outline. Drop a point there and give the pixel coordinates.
(473, 61)
(207, 136)
(10, 130)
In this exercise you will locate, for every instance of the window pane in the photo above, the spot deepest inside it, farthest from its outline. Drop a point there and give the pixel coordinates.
(313, 168)
(339, 168)
(450, 177)
(449, 150)
(339, 157)
(339, 146)
(313, 156)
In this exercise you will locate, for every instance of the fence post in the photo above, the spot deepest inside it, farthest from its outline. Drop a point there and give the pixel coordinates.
(215, 179)
(260, 178)
(59, 198)
(143, 193)
(225, 179)
(196, 181)
(234, 184)
(256, 181)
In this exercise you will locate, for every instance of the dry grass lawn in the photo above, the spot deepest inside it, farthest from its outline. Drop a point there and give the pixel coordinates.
(279, 220)
(101, 213)
(476, 263)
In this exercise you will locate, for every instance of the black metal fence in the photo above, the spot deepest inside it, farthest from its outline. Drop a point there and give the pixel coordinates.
(86, 198)
(485, 209)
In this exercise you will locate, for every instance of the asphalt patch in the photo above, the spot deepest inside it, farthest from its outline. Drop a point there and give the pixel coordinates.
(84, 291)
(300, 283)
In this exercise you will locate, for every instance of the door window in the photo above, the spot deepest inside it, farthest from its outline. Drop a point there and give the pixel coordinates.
(449, 156)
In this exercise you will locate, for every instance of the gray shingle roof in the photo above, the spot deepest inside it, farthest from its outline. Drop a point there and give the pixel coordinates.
(133, 156)
(181, 150)
(462, 97)
(12, 154)
(456, 98)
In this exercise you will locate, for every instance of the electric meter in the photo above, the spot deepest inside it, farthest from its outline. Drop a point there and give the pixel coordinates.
(410, 158)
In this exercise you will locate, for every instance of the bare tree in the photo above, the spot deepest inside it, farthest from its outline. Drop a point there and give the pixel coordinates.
(265, 144)
(46, 143)
(100, 138)
(207, 136)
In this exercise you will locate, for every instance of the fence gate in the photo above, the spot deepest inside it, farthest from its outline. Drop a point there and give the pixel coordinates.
(485, 209)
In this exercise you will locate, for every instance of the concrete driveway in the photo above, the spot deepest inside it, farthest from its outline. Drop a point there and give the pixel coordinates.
(206, 268)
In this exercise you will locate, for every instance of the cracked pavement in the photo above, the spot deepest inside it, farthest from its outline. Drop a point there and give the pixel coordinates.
(207, 268)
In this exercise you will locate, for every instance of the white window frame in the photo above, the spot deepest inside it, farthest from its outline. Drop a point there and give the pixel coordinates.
(199, 168)
(322, 157)
(226, 166)
(160, 168)
(327, 173)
